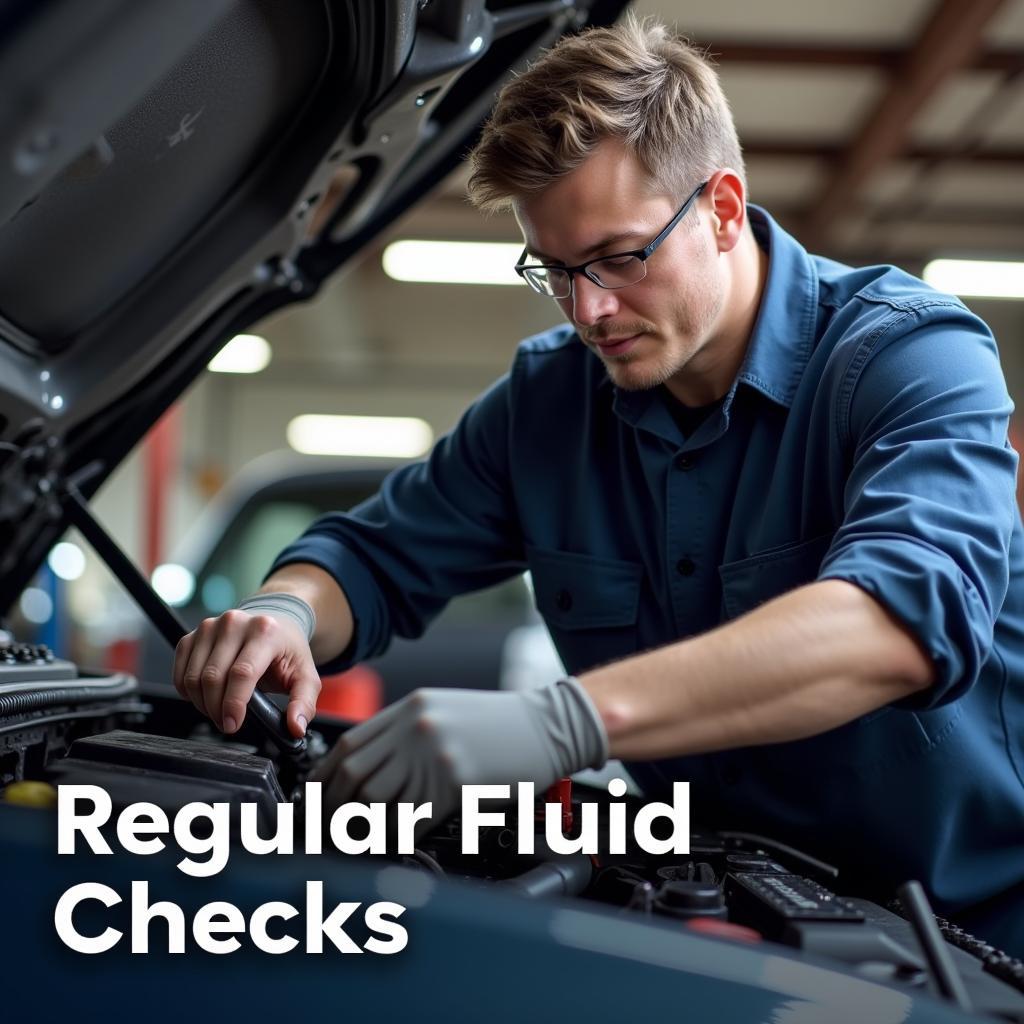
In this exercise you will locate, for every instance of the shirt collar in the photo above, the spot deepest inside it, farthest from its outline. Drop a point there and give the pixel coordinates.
(780, 343)
(783, 334)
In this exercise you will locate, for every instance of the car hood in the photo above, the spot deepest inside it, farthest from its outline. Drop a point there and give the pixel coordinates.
(177, 171)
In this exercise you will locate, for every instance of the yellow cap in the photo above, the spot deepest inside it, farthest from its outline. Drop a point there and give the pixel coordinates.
(31, 794)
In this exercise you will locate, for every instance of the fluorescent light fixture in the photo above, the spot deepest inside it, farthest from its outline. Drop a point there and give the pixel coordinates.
(990, 279)
(67, 560)
(453, 262)
(402, 437)
(174, 583)
(36, 606)
(244, 353)
(218, 594)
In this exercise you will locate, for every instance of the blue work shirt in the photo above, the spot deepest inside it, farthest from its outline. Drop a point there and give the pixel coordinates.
(864, 439)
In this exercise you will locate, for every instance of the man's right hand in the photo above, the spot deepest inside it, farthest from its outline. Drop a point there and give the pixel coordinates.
(218, 665)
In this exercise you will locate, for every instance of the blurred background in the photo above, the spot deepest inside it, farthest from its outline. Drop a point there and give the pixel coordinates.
(867, 133)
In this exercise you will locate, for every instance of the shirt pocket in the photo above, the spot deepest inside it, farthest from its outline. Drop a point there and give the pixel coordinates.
(752, 581)
(589, 604)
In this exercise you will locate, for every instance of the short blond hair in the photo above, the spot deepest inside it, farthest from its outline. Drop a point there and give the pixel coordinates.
(636, 82)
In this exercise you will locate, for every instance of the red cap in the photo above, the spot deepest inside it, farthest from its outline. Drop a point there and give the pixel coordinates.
(559, 793)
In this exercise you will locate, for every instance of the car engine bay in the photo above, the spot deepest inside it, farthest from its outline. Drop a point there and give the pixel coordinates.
(142, 742)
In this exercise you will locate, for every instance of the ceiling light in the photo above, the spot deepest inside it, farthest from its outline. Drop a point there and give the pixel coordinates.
(991, 279)
(36, 606)
(218, 594)
(67, 560)
(400, 437)
(174, 583)
(244, 353)
(453, 262)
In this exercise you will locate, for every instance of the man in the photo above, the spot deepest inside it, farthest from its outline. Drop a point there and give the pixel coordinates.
(767, 503)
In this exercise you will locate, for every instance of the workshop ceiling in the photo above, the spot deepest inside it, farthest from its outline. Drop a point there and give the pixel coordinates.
(876, 131)
(881, 130)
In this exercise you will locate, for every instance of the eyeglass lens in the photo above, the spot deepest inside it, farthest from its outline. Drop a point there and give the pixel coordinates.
(611, 273)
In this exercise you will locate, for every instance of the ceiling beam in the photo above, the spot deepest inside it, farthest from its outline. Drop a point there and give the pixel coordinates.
(448, 217)
(897, 214)
(800, 149)
(950, 41)
(730, 51)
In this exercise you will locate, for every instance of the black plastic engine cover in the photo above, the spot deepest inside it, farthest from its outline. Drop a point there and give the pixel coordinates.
(133, 767)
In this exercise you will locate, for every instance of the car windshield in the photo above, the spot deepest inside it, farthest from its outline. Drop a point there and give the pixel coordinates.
(266, 524)
(246, 551)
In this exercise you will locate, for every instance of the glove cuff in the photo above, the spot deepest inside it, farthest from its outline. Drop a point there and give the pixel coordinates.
(278, 603)
(573, 734)
(594, 746)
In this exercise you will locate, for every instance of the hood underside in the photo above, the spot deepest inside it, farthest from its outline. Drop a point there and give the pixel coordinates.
(177, 171)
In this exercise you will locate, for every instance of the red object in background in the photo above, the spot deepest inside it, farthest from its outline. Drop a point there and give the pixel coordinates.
(161, 463)
(122, 656)
(356, 695)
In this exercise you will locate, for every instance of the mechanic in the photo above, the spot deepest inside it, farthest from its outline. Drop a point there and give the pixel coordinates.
(767, 502)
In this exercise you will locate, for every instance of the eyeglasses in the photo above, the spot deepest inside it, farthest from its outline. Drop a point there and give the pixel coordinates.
(615, 271)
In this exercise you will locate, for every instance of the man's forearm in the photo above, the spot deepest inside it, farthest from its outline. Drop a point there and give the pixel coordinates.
(806, 662)
(334, 622)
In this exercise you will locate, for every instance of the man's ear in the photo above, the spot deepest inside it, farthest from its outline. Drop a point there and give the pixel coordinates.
(728, 208)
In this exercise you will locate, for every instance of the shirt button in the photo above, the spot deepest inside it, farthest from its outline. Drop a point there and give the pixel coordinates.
(686, 567)
(686, 462)
(731, 775)
(563, 600)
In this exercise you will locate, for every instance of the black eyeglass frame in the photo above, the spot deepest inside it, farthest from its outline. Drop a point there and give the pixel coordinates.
(643, 254)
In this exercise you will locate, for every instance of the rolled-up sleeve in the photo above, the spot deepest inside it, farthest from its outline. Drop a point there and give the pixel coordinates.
(930, 501)
(436, 529)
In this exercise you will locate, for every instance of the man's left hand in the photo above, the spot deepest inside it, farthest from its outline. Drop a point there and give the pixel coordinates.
(429, 744)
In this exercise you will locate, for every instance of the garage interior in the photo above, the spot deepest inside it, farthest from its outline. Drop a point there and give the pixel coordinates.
(888, 132)
(876, 133)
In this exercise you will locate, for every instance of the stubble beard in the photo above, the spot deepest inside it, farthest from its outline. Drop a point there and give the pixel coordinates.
(629, 372)
(641, 371)
(695, 315)
(692, 326)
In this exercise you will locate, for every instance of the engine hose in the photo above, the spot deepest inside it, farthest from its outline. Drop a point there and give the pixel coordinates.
(38, 700)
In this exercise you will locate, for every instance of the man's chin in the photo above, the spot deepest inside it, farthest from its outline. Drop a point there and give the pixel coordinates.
(631, 374)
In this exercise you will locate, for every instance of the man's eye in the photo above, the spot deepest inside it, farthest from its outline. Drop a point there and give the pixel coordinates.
(617, 261)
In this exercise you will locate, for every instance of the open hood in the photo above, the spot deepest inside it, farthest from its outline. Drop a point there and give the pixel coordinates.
(176, 171)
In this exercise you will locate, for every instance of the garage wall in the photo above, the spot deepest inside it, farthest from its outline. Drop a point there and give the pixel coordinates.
(329, 360)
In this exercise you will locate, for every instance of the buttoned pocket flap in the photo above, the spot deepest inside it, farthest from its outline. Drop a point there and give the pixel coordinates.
(751, 581)
(582, 592)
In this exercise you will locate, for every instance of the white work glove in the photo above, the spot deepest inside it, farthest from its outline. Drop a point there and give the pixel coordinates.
(429, 744)
(279, 605)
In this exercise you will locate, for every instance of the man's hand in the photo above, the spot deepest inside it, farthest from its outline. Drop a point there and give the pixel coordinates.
(218, 665)
(428, 745)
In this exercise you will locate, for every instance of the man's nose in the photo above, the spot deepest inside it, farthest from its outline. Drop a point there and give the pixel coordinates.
(591, 303)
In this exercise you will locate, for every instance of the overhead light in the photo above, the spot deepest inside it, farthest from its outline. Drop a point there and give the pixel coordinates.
(67, 560)
(218, 594)
(402, 437)
(174, 583)
(990, 279)
(244, 353)
(36, 606)
(453, 262)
